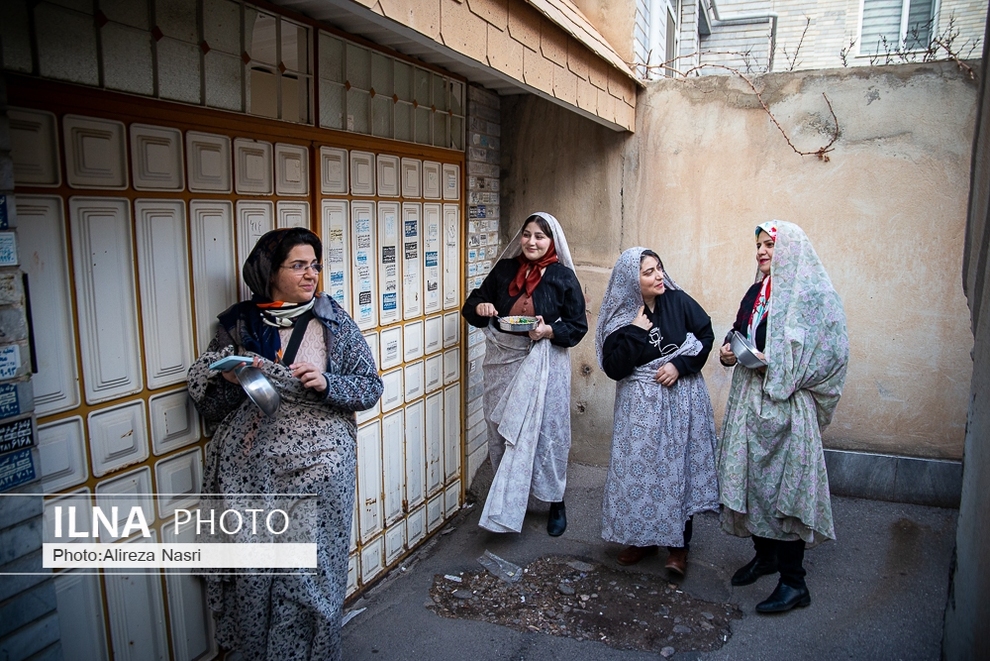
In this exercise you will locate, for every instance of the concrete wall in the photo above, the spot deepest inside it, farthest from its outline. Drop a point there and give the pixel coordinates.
(886, 214)
(968, 609)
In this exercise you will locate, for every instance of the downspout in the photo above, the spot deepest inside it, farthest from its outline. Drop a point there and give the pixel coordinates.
(751, 18)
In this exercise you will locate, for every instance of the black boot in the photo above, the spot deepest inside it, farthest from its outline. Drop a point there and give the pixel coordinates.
(765, 562)
(557, 522)
(791, 591)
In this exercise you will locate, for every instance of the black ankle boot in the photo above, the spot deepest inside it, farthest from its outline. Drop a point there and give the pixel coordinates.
(784, 598)
(764, 563)
(557, 522)
(755, 568)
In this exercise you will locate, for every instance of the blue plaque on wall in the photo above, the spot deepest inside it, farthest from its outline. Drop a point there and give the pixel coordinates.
(15, 399)
(17, 468)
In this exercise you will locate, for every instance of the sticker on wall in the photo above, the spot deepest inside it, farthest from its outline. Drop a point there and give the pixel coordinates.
(391, 347)
(431, 258)
(364, 308)
(412, 263)
(388, 262)
(8, 249)
(17, 468)
(451, 263)
(336, 269)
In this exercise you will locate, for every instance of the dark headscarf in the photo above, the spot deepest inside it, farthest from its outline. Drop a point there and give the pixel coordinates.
(245, 320)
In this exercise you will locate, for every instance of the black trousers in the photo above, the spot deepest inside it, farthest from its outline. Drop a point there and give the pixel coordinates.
(789, 555)
(688, 530)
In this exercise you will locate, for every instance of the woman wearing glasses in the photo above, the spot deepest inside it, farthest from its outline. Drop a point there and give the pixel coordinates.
(315, 357)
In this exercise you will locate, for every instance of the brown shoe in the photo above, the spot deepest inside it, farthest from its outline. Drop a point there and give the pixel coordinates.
(633, 554)
(677, 561)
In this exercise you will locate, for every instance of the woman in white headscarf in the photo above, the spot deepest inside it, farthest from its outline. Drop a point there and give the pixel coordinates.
(528, 375)
(774, 486)
(654, 339)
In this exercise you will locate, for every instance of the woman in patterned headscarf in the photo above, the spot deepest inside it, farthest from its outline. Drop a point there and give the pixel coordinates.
(654, 339)
(771, 464)
(528, 375)
(313, 354)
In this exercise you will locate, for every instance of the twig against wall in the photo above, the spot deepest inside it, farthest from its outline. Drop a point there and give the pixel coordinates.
(822, 152)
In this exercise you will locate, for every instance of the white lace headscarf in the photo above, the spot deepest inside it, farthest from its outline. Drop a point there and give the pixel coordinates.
(623, 297)
(559, 241)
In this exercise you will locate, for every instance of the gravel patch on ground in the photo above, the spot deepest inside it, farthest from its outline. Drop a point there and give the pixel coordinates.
(566, 596)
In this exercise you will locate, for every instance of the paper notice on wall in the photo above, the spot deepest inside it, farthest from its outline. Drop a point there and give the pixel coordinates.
(431, 257)
(335, 258)
(412, 262)
(363, 306)
(388, 261)
(451, 256)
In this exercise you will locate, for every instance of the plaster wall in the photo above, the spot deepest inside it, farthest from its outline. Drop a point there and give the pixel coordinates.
(615, 21)
(886, 214)
(968, 609)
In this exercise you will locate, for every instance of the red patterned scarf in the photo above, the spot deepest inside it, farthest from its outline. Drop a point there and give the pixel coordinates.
(530, 273)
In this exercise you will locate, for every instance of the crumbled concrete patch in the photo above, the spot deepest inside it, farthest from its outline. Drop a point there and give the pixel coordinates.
(565, 596)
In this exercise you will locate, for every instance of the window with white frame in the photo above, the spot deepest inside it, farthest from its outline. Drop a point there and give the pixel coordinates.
(655, 36)
(896, 25)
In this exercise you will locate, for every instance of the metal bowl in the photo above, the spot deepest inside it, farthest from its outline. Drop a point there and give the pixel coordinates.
(517, 324)
(258, 388)
(745, 351)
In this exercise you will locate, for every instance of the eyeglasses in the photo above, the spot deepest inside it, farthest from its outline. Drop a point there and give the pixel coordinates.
(299, 267)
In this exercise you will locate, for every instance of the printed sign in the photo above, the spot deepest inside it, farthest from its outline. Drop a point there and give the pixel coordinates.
(412, 264)
(364, 311)
(16, 435)
(10, 361)
(8, 249)
(388, 261)
(336, 260)
(16, 468)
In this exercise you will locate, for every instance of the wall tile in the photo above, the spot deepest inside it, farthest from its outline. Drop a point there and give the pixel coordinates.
(524, 23)
(505, 54)
(553, 43)
(463, 31)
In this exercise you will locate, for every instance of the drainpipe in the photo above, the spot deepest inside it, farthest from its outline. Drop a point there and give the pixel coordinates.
(751, 18)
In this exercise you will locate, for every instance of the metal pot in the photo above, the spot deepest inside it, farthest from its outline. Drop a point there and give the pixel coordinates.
(745, 351)
(258, 388)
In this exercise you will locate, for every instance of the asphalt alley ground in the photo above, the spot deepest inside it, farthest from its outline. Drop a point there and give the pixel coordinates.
(878, 592)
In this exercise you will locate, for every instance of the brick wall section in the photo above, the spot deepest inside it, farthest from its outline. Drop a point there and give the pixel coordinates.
(483, 156)
(28, 619)
(514, 38)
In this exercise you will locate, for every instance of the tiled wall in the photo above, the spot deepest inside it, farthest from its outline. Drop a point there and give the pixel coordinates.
(484, 141)
(29, 624)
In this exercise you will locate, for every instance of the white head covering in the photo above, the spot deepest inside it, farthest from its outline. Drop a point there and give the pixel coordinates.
(559, 241)
(623, 297)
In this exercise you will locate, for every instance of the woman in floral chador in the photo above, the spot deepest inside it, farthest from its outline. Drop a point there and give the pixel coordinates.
(771, 464)
(654, 339)
(528, 375)
(315, 357)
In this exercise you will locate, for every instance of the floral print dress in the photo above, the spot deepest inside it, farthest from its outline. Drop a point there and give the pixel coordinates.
(307, 447)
